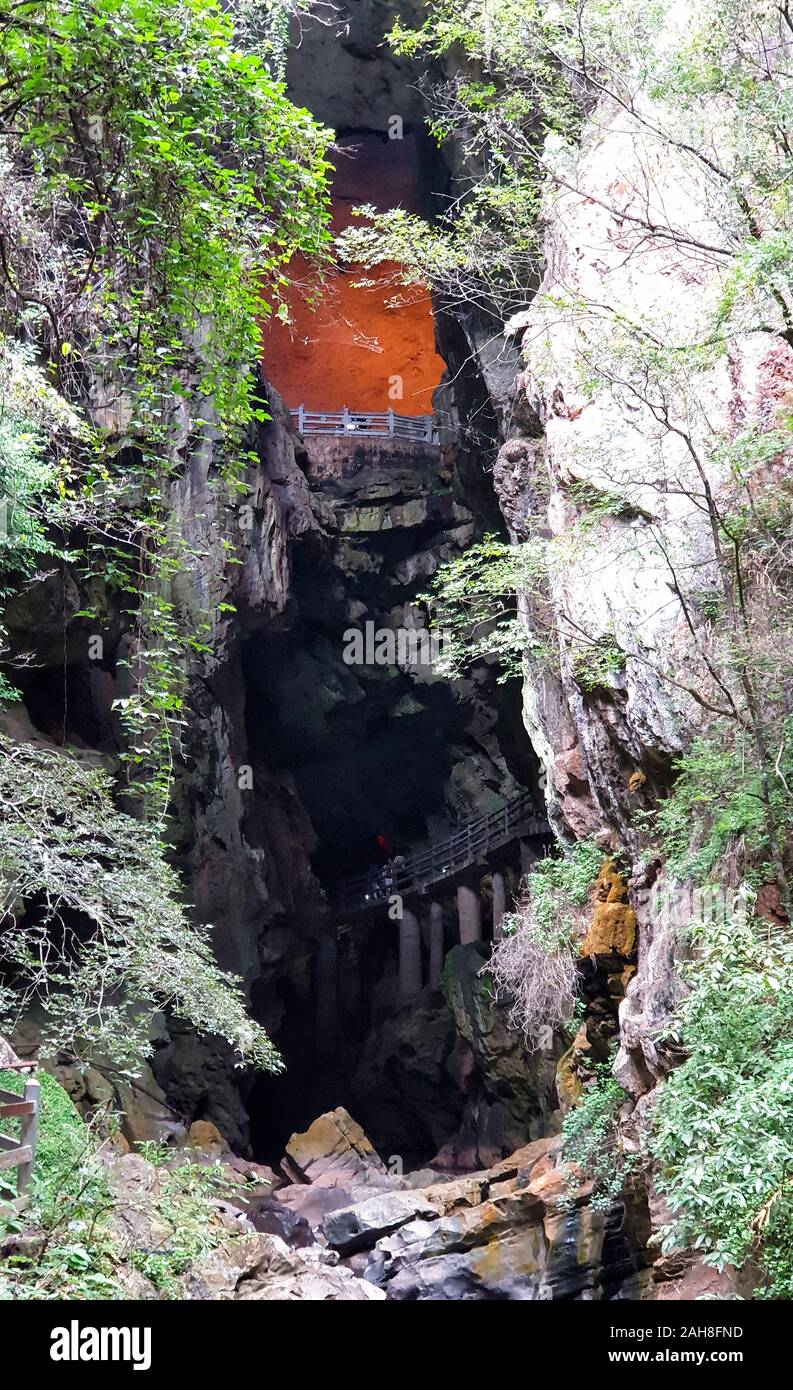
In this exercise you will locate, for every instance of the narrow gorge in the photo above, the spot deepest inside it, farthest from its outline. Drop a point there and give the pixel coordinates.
(396, 711)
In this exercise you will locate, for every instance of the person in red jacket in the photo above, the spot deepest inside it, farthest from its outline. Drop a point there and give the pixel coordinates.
(384, 851)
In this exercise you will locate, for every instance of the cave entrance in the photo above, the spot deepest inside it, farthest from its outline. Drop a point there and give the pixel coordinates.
(369, 750)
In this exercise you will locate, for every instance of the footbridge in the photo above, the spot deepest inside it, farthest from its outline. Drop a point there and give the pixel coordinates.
(435, 898)
(386, 424)
(473, 848)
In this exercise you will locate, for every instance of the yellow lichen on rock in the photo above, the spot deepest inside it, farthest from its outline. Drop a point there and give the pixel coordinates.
(613, 925)
(569, 1085)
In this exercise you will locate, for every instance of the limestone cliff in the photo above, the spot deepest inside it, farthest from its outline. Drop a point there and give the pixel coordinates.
(609, 462)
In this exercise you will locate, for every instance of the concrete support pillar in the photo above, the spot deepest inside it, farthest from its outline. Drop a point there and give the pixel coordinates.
(499, 902)
(325, 988)
(436, 945)
(469, 913)
(409, 957)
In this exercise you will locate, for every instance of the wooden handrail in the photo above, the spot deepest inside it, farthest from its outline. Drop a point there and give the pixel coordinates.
(439, 864)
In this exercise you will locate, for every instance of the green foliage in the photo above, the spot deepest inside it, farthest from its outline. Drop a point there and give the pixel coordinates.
(62, 1146)
(591, 1137)
(32, 416)
(473, 603)
(78, 1251)
(161, 182)
(484, 249)
(715, 810)
(191, 180)
(262, 27)
(525, 73)
(598, 504)
(103, 941)
(70, 1204)
(28, 408)
(776, 1227)
(558, 887)
(723, 1121)
(185, 1192)
(596, 663)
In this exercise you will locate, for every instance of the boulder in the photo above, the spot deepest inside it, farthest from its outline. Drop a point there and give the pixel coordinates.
(358, 1227)
(205, 1136)
(8, 1057)
(312, 1202)
(270, 1217)
(495, 1250)
(259, 1175)
(508, 1270)
(333, 1152)
(147, 1116)
(461, 1192)
(136, 1188)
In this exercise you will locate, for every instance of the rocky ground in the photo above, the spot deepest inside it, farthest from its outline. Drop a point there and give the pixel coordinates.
(333, 1224)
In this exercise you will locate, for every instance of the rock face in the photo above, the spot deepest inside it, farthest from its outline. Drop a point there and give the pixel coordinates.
(607, 741)
(596, 464)
(294, 758)
(511, 1091)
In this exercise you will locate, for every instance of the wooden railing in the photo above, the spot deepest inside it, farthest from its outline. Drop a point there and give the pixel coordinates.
(419, 429)
(20, 1153)
(438, 865)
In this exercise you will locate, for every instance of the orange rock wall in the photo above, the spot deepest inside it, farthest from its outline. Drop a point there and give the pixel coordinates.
(348, 350)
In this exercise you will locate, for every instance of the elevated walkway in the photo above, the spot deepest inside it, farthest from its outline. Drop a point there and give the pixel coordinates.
(440, 866)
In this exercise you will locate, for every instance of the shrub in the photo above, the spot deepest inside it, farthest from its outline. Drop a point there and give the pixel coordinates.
(538, 978)
(723, 1121)
(473, 602)
(534, 964)
(595, 664)
(32, 415)
(591, 1137)
(715, 809)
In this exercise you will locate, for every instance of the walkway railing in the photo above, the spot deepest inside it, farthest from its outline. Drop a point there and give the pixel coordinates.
(438, 865)
(20, 1153)
(420, 429)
